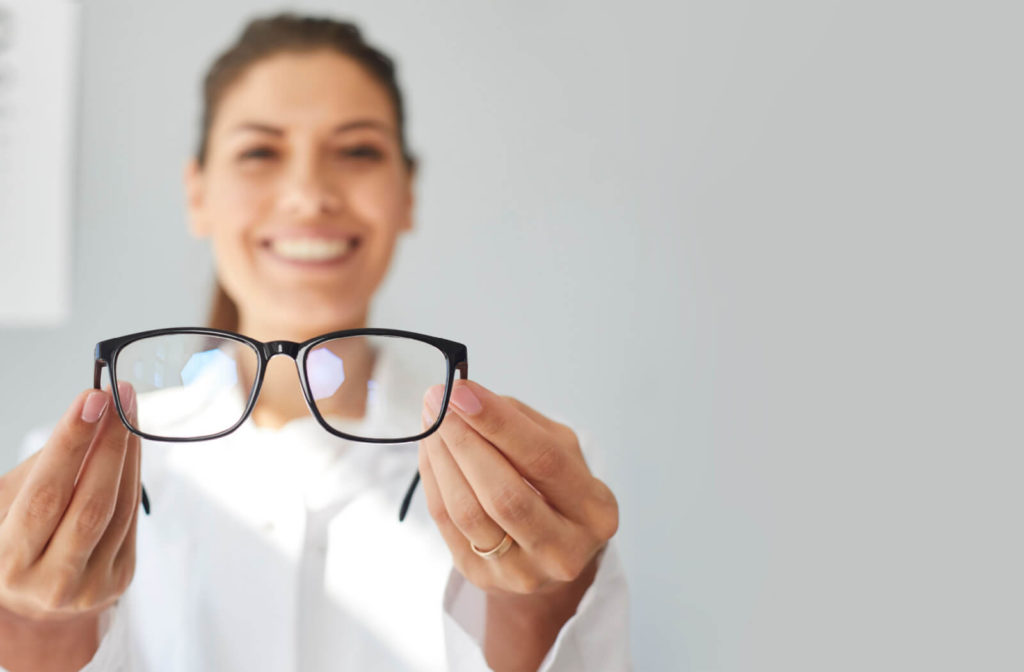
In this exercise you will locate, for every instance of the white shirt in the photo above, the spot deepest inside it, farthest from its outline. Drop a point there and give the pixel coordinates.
(281, 550)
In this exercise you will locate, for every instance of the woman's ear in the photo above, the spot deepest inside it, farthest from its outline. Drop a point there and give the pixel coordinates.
(194, 196)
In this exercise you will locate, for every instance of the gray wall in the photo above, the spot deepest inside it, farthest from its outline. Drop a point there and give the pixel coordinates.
(766, 254)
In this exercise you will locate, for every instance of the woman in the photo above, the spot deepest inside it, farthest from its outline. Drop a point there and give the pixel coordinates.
(277, 547)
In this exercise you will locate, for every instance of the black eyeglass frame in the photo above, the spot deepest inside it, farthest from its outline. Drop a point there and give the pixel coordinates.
(456, 358)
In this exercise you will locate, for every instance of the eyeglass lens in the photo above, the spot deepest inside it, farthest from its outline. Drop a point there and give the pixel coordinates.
(188, 385)
(373, 386)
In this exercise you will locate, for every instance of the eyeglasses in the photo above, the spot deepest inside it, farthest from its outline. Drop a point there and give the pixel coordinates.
(197, 384)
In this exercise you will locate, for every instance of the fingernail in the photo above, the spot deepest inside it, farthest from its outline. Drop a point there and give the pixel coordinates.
(95, 404)
(126, 394)
(434, 397)
(464, 400)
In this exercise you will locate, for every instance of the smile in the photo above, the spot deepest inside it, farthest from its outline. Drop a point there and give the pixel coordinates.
(312, 249)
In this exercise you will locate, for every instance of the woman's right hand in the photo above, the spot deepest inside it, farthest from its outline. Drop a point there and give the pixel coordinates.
(67, 535)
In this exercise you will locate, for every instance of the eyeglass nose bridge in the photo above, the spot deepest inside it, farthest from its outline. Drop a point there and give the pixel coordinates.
(275, 348)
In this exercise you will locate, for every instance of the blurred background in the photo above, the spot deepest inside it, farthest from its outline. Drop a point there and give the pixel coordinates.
(765, 256)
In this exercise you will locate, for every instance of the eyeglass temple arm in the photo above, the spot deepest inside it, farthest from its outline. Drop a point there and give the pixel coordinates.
(463, 369)
(407, 500)
(97, 374)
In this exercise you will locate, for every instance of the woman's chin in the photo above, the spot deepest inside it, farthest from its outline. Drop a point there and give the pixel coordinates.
(299, 320)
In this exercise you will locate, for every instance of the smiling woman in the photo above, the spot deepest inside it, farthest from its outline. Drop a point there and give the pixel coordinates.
(303, 186)
(275, 545)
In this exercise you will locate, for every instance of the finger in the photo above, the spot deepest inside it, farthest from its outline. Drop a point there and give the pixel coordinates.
(124, 561)
(601, 514)
(566, 434)
(552, 426)
(438, 511)
(128, 495)
(515, 506)
(39, 505)
(456, 541)
(511, 572)
(123, 567)
(534, 415)
(115, 573)
(92, 504)
(461, 503)
(549, 459)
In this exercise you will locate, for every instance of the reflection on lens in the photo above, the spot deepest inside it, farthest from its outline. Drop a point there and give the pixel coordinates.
(188, 385)
(326, 373)
(373, 386)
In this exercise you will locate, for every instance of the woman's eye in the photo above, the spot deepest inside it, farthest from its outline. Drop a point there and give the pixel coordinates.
(360, 152)
(257, 153)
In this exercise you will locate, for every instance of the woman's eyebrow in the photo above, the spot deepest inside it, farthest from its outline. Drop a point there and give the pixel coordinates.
(269, 129)
(363, 123)
(259, 128)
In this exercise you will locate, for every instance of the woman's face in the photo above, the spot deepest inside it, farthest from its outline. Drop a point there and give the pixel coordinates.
(303, 193)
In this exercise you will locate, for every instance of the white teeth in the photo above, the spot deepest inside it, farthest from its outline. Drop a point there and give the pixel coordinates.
(310, 249)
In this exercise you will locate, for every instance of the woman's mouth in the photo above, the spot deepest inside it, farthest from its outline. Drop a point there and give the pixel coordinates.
(308, 250)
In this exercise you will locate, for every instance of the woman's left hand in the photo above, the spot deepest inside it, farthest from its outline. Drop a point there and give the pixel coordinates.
(497, 466)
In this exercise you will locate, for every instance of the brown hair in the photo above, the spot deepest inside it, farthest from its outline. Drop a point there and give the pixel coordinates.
(268, 36)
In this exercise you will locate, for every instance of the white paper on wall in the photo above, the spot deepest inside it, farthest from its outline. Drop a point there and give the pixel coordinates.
(38, 71)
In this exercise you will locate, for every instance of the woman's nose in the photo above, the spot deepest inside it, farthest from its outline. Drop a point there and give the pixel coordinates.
(308, 194)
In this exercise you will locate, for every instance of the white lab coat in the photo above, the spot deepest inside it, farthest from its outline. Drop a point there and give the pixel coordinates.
(281, 550)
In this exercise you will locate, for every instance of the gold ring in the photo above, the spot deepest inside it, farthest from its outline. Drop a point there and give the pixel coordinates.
(496, 552)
